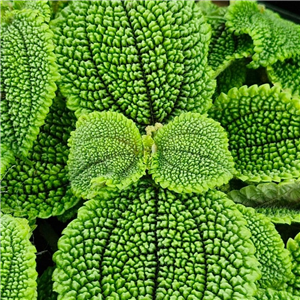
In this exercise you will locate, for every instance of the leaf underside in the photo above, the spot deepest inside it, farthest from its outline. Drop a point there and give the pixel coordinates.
(150, 243)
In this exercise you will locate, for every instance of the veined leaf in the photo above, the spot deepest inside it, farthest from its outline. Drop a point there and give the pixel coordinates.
(150, 243)
(39, 186)
(106, 150)
(263, 126)
(145, 59)
(18, 274)
(191, 155)
(28, 78)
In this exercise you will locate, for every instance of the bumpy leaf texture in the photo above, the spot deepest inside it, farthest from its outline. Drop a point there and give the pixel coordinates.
(106, 150)
(28, 78)
(18, 274)
(275, 260)
(39, 185)
(224, 47)
(263, 126)
(293, 245)
(274, 39)
(270, 294)
(150, 243)
(280, 202)
(145, 59)
(191, 155)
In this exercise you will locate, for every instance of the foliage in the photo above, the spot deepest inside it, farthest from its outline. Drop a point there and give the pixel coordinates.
(129, 126)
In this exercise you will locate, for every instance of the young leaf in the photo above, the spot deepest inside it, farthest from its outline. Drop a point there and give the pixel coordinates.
(192, 155)
(145, 59)
(274, 39)
(39, 186)
(18, 274)
(150, 243)
(106, 150)
(263, 126)
(28, 78)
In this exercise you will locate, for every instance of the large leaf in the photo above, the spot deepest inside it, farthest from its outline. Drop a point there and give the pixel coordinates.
(145, 59)
(191, 155)
(18, 274)
(27, 79)
(106, 150)
(150, 243)
(39, 186)
(263, 126)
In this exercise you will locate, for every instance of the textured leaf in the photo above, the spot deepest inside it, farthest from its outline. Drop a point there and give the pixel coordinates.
(192, 155)
(106, 150)
(18, 274)
(145, 59)
(270, 294)
(263, 126)
(28, 78)
(45, 284)
(270, 251)
(224, 47)
(7, 159)
(150, 243)
(274, 39)
(293, 245)
(286, 74)
(39, 186)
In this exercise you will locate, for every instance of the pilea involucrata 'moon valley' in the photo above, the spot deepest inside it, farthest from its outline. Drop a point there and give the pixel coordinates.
(149, 150)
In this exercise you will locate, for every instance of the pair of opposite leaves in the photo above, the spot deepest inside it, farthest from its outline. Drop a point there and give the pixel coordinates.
(190, 154)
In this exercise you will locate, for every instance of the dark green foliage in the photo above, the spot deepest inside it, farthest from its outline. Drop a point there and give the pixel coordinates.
(39, 186)
(45, 286)
(145, 59)
(150, 243)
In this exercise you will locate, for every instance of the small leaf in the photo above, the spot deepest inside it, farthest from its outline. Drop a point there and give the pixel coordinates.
(192, 155)
(106, 150)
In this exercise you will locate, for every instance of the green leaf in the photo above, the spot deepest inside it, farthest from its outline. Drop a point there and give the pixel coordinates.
(45, 285)
(293, 245)
(270, 294)
(106, 150)
(270, 251)
(27, 80)
(39, 186)
(150, 243)
(18, 274)
(274, 39)
(7, 159)
(286, 74)
(191, 155)
(263, 126)
(145, 59)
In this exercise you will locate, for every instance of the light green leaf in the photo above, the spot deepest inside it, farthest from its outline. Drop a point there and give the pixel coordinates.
(274, 39)
(106, 150)
(151, 243)
(28, 78)
(191, 155)
(145, 59)
(263, 126)
(270, 294)
(270, 252)
(18, 266)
